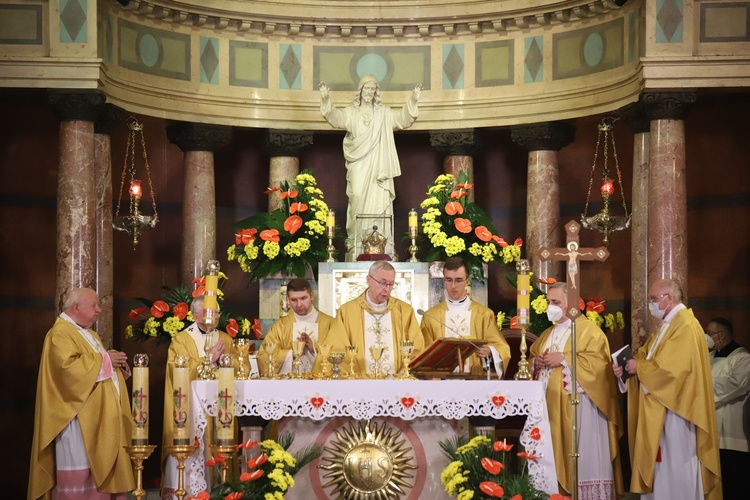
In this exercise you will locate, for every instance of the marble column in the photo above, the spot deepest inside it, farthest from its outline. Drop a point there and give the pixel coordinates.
(105, 124)
(198, 141)
(284, 148)
(458, 146)
(639, 317)
(667, 187)
(76, 190)
(543, 227)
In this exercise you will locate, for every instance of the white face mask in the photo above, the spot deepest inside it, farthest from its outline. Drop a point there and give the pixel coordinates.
(710, 342)
(554, 313)
(653, 309)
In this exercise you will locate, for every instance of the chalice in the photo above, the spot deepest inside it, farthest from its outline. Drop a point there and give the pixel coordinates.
(407, 349)
(298, 347)
(353, 370)
(242, 370)
(324, 351)
(377, 353)
(336, 358)
(270, 348)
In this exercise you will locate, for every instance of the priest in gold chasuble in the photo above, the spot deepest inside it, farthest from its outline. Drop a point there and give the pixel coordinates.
(599, 419)
(461, 317)
(375, 319)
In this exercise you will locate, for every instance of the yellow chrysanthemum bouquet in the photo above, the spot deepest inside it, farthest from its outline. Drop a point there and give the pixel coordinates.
(290, 239)
(454, 226)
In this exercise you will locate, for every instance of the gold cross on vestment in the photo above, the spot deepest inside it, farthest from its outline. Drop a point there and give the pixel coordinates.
(573, 254)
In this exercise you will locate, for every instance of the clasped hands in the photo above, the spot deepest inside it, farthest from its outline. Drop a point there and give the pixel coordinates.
(118, 359)
(216, 351)
(549, 359)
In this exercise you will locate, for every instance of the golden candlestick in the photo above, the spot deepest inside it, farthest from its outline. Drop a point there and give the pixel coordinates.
(226, 452)
(206, 367)
(242, 370)
(330, 234)
(413, 231)
(139, 453)
(270, 348)
(353, 370)
(324, 351)
(298, 348)
(181, 453)
(523, 286)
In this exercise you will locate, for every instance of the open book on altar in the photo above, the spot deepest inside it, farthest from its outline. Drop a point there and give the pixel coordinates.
(441, 358)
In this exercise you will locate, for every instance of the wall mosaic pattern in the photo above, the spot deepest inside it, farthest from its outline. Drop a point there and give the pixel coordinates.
(248, 64)
(589, 50)
(669, 23)
(494, 63)
(290, 67)
(453, 66)
(533, 59)
(153, 51)
(73, 27)
(209, 60)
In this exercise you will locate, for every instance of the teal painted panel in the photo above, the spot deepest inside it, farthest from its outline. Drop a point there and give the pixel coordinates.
(533, 59)
(209, 60)
(453, 66)
(669, 21)
(73, 21)
(290, 66)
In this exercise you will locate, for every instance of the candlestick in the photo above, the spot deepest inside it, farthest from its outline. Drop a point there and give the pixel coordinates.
(330, 234)
(413, 231)
(412, 218)
(225, 411)
(212, 285)
(331, 219)
(140, 400)
(139, 453)
(181, 397)
(523, 304)
(181, 453)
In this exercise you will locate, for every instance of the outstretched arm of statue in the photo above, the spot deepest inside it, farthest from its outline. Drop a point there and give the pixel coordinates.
(324, 90)
(417, 92)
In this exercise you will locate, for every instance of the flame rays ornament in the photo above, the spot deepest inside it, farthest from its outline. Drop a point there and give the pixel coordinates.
(367, 462)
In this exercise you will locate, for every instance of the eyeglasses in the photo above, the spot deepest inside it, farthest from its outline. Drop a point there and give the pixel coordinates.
(711, 334)
(383, 284)
(654, 300)
(452, 281)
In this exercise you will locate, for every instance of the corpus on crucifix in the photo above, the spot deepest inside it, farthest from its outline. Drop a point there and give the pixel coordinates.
(589, 399)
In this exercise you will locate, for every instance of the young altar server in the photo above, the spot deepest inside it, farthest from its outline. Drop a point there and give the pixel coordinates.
(460, 316)
(305, 323)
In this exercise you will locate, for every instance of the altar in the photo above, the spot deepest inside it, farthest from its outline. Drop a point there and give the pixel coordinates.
(424, 411)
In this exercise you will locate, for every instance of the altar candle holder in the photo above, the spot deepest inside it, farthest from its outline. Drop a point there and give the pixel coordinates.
(330, 234)
(138, 454)
(181, 453)
(523, 305)
(224, 452)
(413, 231)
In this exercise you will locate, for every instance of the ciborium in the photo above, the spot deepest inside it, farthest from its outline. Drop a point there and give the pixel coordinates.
(298, 347)
(353, 370)
(242, 369)
(324, 351)
(270, 348)
(336, 358)
(406, 349)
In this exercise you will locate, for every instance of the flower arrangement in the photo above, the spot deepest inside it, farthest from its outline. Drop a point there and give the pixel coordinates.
(270, 475)
(477, 470)
(454, 226)
(287, 240)
(162, 319)
(594, 310)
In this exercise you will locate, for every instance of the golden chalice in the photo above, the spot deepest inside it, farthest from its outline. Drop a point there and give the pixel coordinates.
(242, 369)
(298, 347)
(270, 348)
(377, 353)
(353, 370)
(336, 358)
(407, 349)
(324, 351)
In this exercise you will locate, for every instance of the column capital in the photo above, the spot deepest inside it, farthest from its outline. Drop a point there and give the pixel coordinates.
(546, 136)
(108, 119)
(633, 114)
(76, 105)
(198, 136)
(286, 142)
(667, 105)
(463, 142)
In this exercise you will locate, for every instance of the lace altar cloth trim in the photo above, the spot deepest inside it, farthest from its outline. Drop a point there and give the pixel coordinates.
(366, 399)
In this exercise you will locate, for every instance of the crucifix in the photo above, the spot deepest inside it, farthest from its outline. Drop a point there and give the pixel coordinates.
(573, 254)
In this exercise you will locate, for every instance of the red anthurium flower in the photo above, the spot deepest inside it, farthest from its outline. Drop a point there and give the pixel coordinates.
(492, 489)
(483, 233)
(518, 242)
(465, 186)
(492, 466)
(527, 456)
(210, 462)
(514, 323)
(557, 496)
(463, 225)
(289, 194)
(257, 461)
(581, 304)
(458, 193)
(180, 310)
(292, 224)
(245, 236)
(220, 459)
(235, 495)
(516, 497)
(270, 235)
(272, 189)
(453, 208)
(547, 281)
(297, 207)
(203, 495)
(595, 305)
(257, 329)
(134, 313)
(201, 289)
(499, 241)
(248, 445)
(502, 446)
(232, 328)
(159, 308)
(201, 280)
(251, 476)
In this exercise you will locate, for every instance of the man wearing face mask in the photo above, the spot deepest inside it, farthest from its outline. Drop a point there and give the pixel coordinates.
(730, 370)
(598, 416)
(671, 419)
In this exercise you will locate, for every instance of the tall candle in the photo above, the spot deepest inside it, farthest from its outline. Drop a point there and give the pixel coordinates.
(212, 285)
(225, 406)
(331, 219)
(523, 296)
(140, 400)
(181, 400)
(413, 218)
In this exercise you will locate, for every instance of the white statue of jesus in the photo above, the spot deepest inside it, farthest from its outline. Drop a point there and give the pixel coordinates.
(369, 150)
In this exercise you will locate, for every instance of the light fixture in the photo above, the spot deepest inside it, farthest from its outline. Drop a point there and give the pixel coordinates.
(135, 222)
(606, 222)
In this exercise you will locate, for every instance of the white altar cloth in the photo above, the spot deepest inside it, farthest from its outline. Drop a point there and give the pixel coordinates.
(367, 399)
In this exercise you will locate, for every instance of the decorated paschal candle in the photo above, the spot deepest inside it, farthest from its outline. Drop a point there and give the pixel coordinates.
(140, 400)
(225, 410)
(181, 399)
